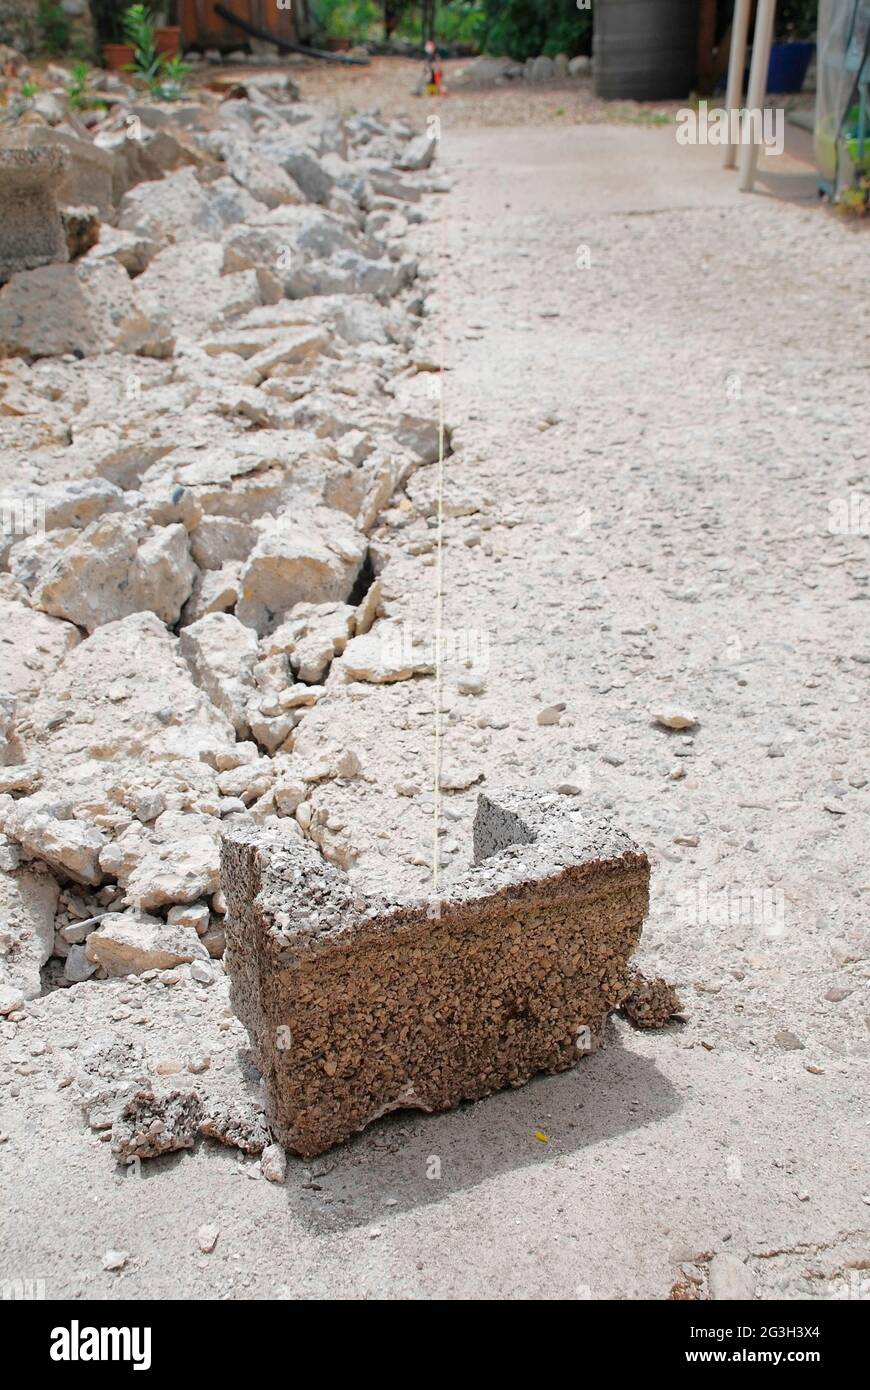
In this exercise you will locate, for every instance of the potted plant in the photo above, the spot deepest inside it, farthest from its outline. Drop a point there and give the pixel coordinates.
(139, 32)
(793, 45)
(168, 34)
(168, 39)
(117, 56)
(108, 18)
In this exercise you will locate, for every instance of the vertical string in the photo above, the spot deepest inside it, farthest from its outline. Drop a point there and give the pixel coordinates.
(439, 573)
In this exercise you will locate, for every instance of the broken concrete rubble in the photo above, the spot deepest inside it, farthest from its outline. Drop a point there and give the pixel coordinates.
(206, 301)
(46, 830)
(84, 308)
(126, 943)
(48, 640)
(130, 768)
(314, 558)
(221, 653)
(175, 861)
(118, 566)
(150, 1125)
(206, 455)
(28, 901)
(356, 1007)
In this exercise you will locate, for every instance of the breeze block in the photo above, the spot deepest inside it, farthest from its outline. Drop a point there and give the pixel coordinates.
(31, 232)
(357, 1006)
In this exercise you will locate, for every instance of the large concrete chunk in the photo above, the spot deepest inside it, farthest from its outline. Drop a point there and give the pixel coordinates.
(31, 232)
(28, 902)
(221, 653)
(86, 308)
(32, 646)
(88, 171)
(356, 1007)
(118, 566)
(127, 943)
(314, 557)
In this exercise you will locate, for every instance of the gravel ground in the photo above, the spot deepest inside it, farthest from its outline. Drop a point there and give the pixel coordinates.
(655, 394)
(390, 84)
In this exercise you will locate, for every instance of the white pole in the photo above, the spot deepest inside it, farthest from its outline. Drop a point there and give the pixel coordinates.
(761, 41)
(736, 64)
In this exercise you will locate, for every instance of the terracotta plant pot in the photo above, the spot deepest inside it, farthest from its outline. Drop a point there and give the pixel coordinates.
(117, 55)
(167, 39)
(337, 45)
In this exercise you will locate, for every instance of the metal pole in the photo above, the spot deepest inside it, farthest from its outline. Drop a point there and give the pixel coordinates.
(761, 41)
(736, 64)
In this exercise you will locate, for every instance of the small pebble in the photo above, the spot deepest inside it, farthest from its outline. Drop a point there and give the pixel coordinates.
(274, 1163)
(669, 717)
(206, 1238)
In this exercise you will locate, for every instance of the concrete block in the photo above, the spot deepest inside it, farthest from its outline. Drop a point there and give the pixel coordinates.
(31, 233)
(357, 1006)
(88, 170)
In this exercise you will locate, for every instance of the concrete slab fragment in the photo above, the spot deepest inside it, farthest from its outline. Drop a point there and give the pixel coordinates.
(359, 1006)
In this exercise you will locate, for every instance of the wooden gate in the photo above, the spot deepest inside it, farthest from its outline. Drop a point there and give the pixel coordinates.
(202, 28)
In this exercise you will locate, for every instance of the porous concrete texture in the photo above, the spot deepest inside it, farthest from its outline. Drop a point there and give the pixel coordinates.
(356, 1006)
(31, 232)
(89, 170)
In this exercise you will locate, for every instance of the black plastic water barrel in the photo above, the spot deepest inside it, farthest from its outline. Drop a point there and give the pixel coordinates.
(645, 50)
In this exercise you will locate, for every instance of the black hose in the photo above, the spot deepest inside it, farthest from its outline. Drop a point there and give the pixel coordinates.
(257, 33)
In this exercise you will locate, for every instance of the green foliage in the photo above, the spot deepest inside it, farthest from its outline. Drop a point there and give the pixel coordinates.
(170, 83)
(456, 21)
(521, 29)
(855, 201)
(517, 28)
(80, 96)
(797, 19)
(78, 91)
(346, 19)
(164, 74)
(138, 26)
(54, 26)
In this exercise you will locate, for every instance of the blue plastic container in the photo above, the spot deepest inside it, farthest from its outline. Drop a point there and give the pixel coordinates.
(788, 65)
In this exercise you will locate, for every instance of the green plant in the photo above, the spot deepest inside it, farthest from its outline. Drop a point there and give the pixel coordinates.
(22, 102)
(80, 97)
(855, 201)
(346, 19)
(164, 74)
(456, 22)
(138, 26)
(170, 82)
(463, 23)
(54, 26)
